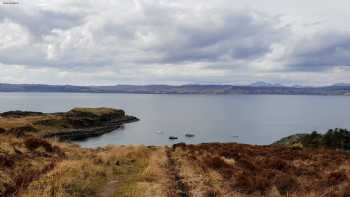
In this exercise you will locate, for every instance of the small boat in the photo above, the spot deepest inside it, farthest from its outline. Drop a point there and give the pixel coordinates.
(173, 138)
(189, 135)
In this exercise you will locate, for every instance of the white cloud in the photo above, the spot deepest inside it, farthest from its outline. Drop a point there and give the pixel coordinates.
(12, 35)
(163, 41)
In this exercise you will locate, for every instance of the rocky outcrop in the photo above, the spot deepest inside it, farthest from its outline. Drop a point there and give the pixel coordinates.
(86, 132)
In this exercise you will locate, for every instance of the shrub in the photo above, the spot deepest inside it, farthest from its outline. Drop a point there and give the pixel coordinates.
(242, 182)
(248, 165)
(277, 164)
(34, 143)
(7, 186)
(344, 190)
(262, 184)
(313, 140)
(285, 183)
(2, 130)
(216, 163)
(336, 178)
(6, 161)
(181, 145)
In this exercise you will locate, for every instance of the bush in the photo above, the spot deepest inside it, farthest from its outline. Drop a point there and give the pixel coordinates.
(277, 164)
(336, 178)
(7, 186)
(333, 139)
(2, 130)
(262, 184)
(337, 139)
(247, 164)
(285, 183)
(34, 143)
(6, 161)
(313, 140)
(21, 131)
(216, 163)
(242, 182)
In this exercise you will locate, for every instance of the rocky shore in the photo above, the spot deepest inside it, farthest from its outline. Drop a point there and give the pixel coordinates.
(80, 134)
(76, 124)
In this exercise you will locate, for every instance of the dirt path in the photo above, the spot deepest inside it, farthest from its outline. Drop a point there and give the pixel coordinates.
(180, 189)
(160, 177)
(109, 189)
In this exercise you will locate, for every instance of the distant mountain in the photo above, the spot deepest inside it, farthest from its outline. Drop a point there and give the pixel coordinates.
(298, 86)
(256, 88)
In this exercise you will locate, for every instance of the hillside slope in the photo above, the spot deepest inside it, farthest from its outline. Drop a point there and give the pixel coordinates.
(32, 166)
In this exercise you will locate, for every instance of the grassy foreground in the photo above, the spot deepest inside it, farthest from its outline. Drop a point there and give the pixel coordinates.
(32, 167)
(32, 164)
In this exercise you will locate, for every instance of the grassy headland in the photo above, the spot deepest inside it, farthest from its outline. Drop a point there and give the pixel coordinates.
(75, 124)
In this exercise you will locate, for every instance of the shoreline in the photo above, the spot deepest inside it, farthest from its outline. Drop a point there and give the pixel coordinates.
(85, 133)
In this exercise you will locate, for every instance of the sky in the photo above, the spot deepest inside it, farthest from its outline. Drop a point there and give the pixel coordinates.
(109, 42)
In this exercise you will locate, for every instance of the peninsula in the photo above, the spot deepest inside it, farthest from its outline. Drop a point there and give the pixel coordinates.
(76, 124)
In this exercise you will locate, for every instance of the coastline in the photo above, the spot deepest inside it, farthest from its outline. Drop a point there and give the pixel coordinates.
(84, 133)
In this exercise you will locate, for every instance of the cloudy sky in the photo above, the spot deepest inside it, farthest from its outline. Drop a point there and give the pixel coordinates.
(109, 42)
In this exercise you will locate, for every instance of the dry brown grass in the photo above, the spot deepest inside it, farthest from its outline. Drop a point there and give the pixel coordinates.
(200, 181)
(32, 166)
(246, 170)
(22, 163)
(69, 178)
(154, 179)
(111, 171)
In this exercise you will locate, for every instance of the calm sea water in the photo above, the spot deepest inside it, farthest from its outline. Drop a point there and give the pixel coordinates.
(253, 119)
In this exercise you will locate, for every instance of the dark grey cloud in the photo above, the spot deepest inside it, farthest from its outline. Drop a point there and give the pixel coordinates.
(155, 33)
(322, 51)
(40, 21)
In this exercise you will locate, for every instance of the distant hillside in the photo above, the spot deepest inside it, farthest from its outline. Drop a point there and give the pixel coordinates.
(265, 84)
(183, 89)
